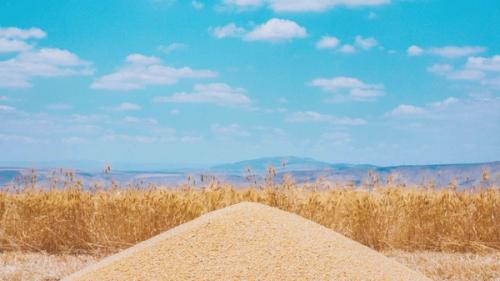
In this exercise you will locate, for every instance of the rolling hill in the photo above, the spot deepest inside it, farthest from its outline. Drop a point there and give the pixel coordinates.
(301, 169)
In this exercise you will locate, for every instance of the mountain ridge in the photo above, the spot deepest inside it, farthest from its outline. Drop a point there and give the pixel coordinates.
(302, 169)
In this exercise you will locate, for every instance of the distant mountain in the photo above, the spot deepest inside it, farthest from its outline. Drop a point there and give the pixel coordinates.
(7, 175)
(307, 169)
(442, 174)
(301, 169)
(285, 163)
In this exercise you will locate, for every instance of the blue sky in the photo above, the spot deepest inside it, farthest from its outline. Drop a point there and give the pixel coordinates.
(164, 81)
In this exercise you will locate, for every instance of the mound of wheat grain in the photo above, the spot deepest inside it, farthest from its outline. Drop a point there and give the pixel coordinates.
(248, 241)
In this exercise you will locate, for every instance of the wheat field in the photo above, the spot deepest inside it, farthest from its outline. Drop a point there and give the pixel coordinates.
(385, 217)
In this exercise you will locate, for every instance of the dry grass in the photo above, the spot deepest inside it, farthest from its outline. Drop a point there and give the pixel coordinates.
(451, 266)
(20, 266)
(73, 220)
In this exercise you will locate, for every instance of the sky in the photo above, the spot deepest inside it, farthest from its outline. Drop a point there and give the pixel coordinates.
(385, 82)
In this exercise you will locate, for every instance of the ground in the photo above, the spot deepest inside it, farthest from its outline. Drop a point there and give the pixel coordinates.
(16, 266)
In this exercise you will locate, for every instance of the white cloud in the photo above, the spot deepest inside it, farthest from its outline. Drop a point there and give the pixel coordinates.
(484, 64)
(349, 88)
(52, 56)
(88, 118)
(94, 129)
(360, 42)
(167, 49)
(140, 71)
(303, 5)
(44, 126)
(45, 62)
(336, 83)
(448, 71)
(446, 102)
(142, 59)
(455, 51)
(136, 120)
(406, 109)
(372, 16)
(215, 93)
(365, 43)
(451, 109)
(228, 30)
(477, 111)
(231, 130)
(479, 69)
(349, 121)
(440, 68)
(276, 30)
(312, 116)
(6, 108)
(19, 33)
(127, 106)
(308, 116)
(197, 5)
(347, 49)
(273, 30)
(327, 42)
(446, 51)
(28, 62)
(244, 3)
(414, 50)
(13, 45)
(494, 82)
(465, 74)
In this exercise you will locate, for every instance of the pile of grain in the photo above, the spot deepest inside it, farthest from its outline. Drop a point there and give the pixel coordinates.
(248, 241)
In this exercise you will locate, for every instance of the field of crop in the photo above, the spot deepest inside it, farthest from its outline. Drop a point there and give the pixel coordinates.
(76, 220)
(49, 232)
